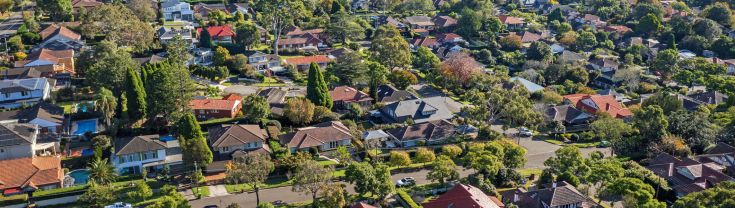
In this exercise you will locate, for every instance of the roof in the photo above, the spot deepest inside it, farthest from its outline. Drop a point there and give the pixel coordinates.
(45, 111)
(138, 144)
(306, 60)
(434, 130)
(422, 110)
(617, 28)
(570, 56)
(52, 56)
(292, 41)
(568, 114)
(317, 135)
(298, 32)
(721, 148)
(375, 134)
(55, 29)
(711, 97)
(463, 196)
(444, 21)
(30, 172)
(598, 103)
(388, 94)
(563, 194)
(218, 31)
(510, 20)
(530, 86)
(213, 104)
(686, 175)
(606, 63)
(419, 20)
(448, 37)
(348, 95)
(528, 37)
(17, 134)
(85, 3)
(424, 41)
(273, 95)
(226, 135)
(21, 85)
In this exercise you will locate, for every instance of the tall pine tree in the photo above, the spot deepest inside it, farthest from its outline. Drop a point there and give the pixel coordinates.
(136, 95)
(194, 145)
(316, 88)
(205, 39)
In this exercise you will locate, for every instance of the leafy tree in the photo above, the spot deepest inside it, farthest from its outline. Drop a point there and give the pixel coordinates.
(220, 57)
(399, 158)
(350, 69)
(343, 155)
(667, 102)
(425, 60)
(556, 15)
(511, 42)
(334, 195)
(651, 123)
(586, 40)
(106, 65)
(311, 177)
(171, 198)
(144, 9)
(58, 10)
(316, 88)
(389, 48)
(640, 191)
(136, 95)
(470, 23)
(514, 154)
(169, 90)
(6, 5)
(416, 6)
(424, 155)
(377, 76)
(277, 15)
(539, 51)
(106, 103)
(570, 178)
(193, 144)
(649, 25)
(120, 25)
(253, 169)
(141, 191)
(567, 159)
(247, 35)
(101, 172)
(451, 151)
(719, 12)
(98, 196)
(362, 175)
(257, 108)
(719, 196)
(178, 50)
(343, 27)
(483, 162)
(694, 127)
(384, 185)
(205, 39)
(707, 28)
(443, 169)
(610, 129)
(666, 61)
(402, 79)
(299, 110)
(605, 171)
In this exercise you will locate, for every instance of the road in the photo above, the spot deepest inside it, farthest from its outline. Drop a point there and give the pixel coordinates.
(247, 200)
(11, 24)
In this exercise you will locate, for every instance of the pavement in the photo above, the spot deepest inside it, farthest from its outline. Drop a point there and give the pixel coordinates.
(11, 24)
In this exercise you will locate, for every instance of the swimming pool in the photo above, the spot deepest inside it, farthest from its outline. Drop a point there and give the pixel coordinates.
(84, 126)
(166, 138)
(81, 176)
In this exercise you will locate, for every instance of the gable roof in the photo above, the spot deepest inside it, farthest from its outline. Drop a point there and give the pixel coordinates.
(558, 195)
(530, 86)
(226, 135)
(21, 85)
(569, 114)
(45, 111)
(510, 20)
(49, 55)
(463, 196)
(30, 172)
(444, 21)
(388, 94)
(138, 144)
(421, 110)
(419, 20)
(434, 130)
(306, 60)
(687, 175)
(213, 104)
(348, 94)
(598, 103)
(218, 31)
(317, 135)
(17, 134)
(55, 29)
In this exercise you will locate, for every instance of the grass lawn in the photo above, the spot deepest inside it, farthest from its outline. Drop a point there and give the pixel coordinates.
(219, 120)
(553, 141)
(339, 173)
(414, 165)
(527, 172)
(50, 192)
(270, 183)
(68, 106)
(202, 190)
(327, 162)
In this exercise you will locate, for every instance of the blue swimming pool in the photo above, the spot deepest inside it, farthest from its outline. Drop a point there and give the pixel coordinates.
(85, 126)
(166, 138)
(81, 176)
(87, 152)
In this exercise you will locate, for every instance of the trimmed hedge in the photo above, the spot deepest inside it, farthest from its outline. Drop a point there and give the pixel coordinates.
(407, 198)
(13, 200)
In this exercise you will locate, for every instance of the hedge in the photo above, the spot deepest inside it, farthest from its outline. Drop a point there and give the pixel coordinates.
(407, 198)
(13, 200)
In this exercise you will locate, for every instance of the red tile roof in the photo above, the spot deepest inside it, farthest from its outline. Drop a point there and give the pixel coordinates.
(33, 172)
(317, 135)
(464, 196)
(218, 31)
(208, 104)
(618, 28)
(510, 20)
(598, 103)
(448, 37)
(348, 94)
(54, 29)
(308, 60)
(232, 96)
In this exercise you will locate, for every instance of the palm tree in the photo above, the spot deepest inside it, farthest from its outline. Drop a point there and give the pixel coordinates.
(106, 104)
(101, 172)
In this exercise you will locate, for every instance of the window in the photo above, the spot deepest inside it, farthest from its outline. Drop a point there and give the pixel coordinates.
(334, 144)
(24, 93)
(225, 149)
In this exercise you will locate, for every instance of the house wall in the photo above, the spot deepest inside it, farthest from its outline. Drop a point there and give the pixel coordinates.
(16, 151)
(327, 146)
(26, 95)
(246, 147)
(160, 155)
(46, 126)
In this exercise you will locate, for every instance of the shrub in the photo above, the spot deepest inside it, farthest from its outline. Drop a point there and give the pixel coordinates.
(407, 198)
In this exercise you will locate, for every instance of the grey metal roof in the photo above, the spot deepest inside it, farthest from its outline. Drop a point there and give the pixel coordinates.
(415, 109)
(20, 85)
(17, 134)
(138, 144)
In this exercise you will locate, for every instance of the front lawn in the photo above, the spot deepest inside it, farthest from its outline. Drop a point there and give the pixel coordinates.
(202, 191)
(270, 183)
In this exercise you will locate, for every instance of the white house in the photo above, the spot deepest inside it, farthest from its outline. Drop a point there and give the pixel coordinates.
(22, 140)
(148, 151)
(18, 92)
(174, 10)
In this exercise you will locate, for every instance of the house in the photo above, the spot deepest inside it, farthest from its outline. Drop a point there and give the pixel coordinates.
(722, 155)
(48, 71)
(242, 8)
(27, 174)
(219, 34)
(559, 195)
(528, 37)
(87, 5)
(323, 137)
(377, 138)
(303, 63)
(23, 140)
(389, 94)
(427, 133)
(464, 196)
(305, 42)
(570, 57)
(344, 96)
(148, 151)
(592, 21)
(276, 99)
(568, 115)
(174, 10)
(420, 22)
(265, 62)
(227, 107)
(528, 85)
(604, 64)
(165, 34)
(49, 117)
(18, 92)
(447, 38)
(339, 52)
(61, 61)
(444, 22)
(386, 20)
(686, 175)
(619, 29)
(420, 110)
(59, 38)
(202, 10)
(225, 139)
(423, 41)
(595, 104)
(202, 56)
(297, 32)
(693, 101)
(512, 23)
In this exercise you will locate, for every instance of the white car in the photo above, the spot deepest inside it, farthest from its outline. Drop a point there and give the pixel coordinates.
(524, 132)
(407, 181)
(119, 205)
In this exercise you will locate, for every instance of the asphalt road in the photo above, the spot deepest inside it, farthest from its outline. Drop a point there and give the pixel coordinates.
(11, 24)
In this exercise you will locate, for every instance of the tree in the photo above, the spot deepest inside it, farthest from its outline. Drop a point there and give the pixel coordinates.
(570, 178)
(556, 15)
(425, 60)
(514, 154)
(567, 159)
(171, 198)
(311, 177)
(178, 50)
(299, 110)
(719, 196)
(58, 10)
(707, 28)
(586, 40)
(258, 108)
(144, 9)
(362, 175)
(666, 61)
(6, 5)
(136, 95)
(343, 28)
(640, 191)
(384, 185)
(98, 196)
(101, 172)
(141, 191)
(350, 69)
(247, 35)
(610, 129)
(451, 151)
(316, 88)
(220, 57)
(278, 15)
(106, 104)
(205, 39)
(169, 90)
(649, 25)
(334, 195)
(120, 25)
(402, 79)
(539, 51)
(470, 23)
(460, 67)
(106, 65)
(390, 49)
(424, 155)
(377, 76)
(192, 141)
(343, 155)
(443, 169)
(253, 169)
(511, 42)
(399, 158)
(651, 123)
(483, 162)
(720, 12)
(605, 171)
(667, 102)
(695, 128)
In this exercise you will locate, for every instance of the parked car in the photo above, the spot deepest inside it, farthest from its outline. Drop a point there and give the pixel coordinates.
(407, 181)
(524, 132)
(119, 205)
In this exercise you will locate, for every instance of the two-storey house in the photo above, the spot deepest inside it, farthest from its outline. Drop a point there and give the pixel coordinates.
(263, 62)
(227, 107)
(22, 140)
(219, 34)
(58, 38)
(174, 10)
(18, 92)
(147, 151)
(226, 139)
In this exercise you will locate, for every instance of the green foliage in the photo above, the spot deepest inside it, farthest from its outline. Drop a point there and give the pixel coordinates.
(570, 178)
(407, 198)
(316, 89)
(344, 27)
(106, 104)
(98, 196)
(720, 12)
(425, 59)
(567, 159)
(256, 109)
(350, 69)
(220, 57)
(141, 191)
(169, 90)
(651, 123)
(205, 39)
(102, 172)
(192, 141)
(119, 25)
(469, 24)
(633, 187)
(649, 25)
(136, 95)
(424, 155)
(443, 169)
(252, 169)
(389, 48)
(247, 35)
(106, 66)
(451, 151)
(539, 51)
(58, 10)
(402, 79)
(299, 110)
(399, 158)
(718, 197)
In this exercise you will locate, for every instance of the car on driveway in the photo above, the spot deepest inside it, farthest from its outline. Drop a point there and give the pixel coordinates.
(524, 132)
(407, 181)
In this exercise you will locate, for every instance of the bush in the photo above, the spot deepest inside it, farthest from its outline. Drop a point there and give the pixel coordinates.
(407, 198)
(13, 200)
